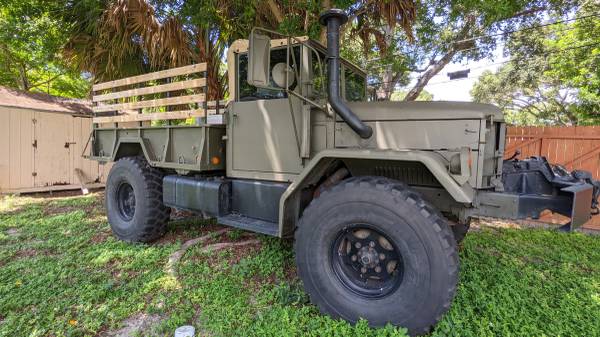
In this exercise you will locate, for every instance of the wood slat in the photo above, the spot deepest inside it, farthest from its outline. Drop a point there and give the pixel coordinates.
(574, 147)
(222, 103)
(195, 83)
(198, 98)
(151, 116)
(185, 70)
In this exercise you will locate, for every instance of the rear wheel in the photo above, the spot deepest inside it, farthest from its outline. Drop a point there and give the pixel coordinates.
(133, 199)
(371, 248)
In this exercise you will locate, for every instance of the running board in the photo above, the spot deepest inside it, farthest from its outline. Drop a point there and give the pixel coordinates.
(250, 224)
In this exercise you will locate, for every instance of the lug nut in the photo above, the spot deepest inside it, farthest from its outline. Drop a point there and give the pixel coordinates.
(353, 258)
(357, 245)
(363, 270)
(372, 244)
(382, 256)
(378, 269)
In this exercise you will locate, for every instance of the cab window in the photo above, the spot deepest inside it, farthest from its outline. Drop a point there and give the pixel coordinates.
(247, 92)
(355, 86)
(355, 83)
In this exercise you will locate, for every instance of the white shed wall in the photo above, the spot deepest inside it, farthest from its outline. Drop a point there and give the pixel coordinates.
(40, 150)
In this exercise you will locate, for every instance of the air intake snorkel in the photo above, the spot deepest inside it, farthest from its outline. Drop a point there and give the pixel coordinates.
(333, 19)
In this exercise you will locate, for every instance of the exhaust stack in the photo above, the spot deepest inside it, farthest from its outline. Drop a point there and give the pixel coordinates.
(333, 19)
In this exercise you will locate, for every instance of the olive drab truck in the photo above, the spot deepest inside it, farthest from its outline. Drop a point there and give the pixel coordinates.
(375, 194)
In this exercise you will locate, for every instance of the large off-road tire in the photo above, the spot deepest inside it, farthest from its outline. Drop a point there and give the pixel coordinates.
(133, 200)
(371, 248)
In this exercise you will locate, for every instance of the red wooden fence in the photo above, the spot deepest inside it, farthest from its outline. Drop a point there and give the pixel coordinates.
(576, 147)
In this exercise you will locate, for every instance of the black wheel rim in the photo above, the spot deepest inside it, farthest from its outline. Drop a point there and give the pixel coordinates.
(126, 201)
(366, 261)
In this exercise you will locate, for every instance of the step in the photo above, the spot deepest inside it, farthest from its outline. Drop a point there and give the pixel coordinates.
(250, 224)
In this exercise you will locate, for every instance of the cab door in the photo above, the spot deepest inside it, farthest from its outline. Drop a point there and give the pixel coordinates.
(265, 128)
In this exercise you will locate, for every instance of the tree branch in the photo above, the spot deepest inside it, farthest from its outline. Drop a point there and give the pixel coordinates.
(275, 11)
(437, 66)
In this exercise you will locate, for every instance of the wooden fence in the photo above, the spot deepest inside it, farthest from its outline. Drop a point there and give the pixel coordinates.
(575, 147)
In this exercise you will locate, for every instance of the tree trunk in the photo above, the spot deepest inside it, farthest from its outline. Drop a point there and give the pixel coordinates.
(275, 11)
(414, 93)
(23, 80)
(323, 35)
(215, 87)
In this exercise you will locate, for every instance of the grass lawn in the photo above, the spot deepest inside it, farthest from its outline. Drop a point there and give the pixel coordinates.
(63, 274)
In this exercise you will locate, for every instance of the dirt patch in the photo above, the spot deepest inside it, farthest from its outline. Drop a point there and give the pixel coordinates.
(241, 251)
(50, 209)
(99, 237)
(26, 253)
(516, 224)
(142, 324)
(13, 232)
(191, 228)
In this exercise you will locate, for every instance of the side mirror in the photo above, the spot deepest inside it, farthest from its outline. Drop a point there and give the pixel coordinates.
(259, 59)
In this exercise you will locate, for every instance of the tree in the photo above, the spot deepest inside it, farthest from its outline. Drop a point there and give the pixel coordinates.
(113, 39)
(448, 31)
(400, 95)
(116, 38)
(30, 41)
(553, 76)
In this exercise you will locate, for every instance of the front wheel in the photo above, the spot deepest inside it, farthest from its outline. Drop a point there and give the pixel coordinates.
(371, 248)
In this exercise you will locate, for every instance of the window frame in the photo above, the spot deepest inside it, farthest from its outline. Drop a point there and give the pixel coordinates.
(238, 86)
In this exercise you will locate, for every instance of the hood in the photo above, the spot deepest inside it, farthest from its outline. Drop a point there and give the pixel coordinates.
(388, 110)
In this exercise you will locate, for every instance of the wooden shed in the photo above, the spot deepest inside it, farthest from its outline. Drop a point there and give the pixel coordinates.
(42, 139)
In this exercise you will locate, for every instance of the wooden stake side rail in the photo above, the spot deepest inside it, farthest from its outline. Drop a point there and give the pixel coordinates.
(143, 98)
(157, 116)
(196, 83)
(186, 70)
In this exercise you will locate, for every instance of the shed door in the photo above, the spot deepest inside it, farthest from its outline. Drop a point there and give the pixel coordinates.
(52, 153)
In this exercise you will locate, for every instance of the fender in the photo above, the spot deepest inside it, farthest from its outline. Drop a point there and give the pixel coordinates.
(132, 141)
(289, 204)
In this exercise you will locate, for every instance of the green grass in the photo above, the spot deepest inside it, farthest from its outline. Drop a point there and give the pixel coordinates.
(63, 274)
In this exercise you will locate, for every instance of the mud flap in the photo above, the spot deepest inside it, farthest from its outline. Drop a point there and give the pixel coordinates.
(581, 207)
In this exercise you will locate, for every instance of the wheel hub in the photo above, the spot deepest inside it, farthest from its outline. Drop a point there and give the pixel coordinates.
(126, 201)
(369, 257)
(366, 261)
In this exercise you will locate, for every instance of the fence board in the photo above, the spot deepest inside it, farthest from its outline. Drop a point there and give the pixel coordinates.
(578, 148)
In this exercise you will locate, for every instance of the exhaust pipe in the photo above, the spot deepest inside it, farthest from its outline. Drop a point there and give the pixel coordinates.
(333, 19)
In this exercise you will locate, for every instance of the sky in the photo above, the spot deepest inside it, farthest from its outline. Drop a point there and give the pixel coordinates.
(443, 89)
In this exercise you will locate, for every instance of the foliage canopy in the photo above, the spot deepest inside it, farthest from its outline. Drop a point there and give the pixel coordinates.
(553, 76)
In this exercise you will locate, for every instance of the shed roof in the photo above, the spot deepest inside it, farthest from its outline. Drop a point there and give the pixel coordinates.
(43, 102)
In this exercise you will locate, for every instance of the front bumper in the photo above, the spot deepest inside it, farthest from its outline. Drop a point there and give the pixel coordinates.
(532, 186)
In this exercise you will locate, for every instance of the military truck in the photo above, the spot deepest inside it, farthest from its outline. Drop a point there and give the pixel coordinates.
(375, 194)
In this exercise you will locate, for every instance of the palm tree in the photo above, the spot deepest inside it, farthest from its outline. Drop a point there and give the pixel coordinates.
(119, 38)
(124, 37)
